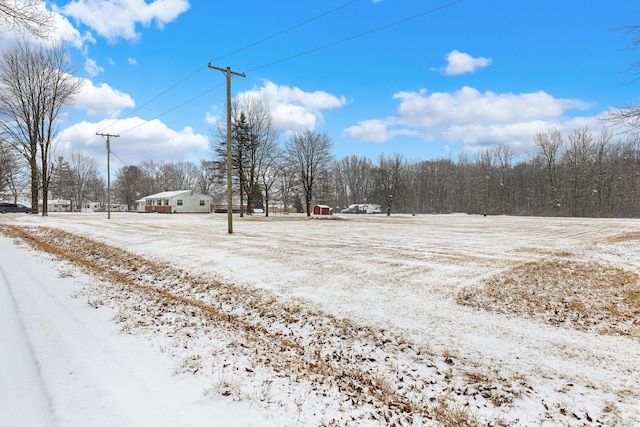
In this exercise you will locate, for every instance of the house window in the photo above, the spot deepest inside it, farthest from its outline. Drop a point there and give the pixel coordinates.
(166, 202)
(149, 202)
(201, 202)
(179, 202)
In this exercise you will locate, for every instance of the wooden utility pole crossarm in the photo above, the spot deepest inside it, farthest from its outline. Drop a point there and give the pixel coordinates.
(227, 71)
(108, 135)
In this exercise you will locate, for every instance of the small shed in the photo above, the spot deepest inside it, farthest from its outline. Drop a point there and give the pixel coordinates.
(183, 201)
(322, 210)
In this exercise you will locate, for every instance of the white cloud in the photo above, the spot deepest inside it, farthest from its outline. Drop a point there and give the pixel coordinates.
(461, 63)
(215, 116)
(292, 108)
(115, 19)
(132, 61)
(473, 118)
(470, 105)
(101, 100)
(138, 140)
(67, 33)
(368, 130)
(92, 68)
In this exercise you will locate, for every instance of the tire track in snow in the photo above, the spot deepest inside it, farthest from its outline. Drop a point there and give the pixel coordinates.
(92, 377)
(24, 393)
(70, 355)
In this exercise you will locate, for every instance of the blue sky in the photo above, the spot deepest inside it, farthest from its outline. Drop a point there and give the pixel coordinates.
(423, 78)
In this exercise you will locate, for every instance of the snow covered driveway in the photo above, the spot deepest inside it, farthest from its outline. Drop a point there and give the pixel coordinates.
(64, 363)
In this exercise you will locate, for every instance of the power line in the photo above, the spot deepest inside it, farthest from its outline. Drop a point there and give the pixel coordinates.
(117, 157)
(289, 58)
(392, 24)
(188, 101)
(179, 82)
(286, 30)
(156, 97)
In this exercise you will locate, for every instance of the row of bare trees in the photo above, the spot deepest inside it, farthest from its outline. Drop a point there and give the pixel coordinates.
(36, 82)
(76, 180)
(262, 169)
(578, 174)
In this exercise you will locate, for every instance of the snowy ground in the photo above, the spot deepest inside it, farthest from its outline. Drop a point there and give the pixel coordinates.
(354, 320)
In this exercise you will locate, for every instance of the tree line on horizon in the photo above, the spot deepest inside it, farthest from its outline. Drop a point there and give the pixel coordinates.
(580, 174)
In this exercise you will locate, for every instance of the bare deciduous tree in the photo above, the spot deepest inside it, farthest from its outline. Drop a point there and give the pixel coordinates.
(550, 146)
(357, 173)
(88, 182)
(152, 177)
(630, 114)
(252, 129)
(269, 169)
(9, 168)
(207, 177)
(262, 147)
(179, 176)
(309, 154)
(388, 181)
(287, 184)
(37, 82)
(128, 185)
(29, 16)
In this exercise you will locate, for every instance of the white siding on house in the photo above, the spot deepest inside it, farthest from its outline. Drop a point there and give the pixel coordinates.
(195, 203)
(184, 201)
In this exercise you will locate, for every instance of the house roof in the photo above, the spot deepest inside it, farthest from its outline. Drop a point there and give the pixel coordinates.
(171, 194)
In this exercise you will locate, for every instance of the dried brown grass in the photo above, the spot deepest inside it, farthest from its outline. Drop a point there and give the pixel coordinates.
(625, 237)
(292, 341)
(582, 295)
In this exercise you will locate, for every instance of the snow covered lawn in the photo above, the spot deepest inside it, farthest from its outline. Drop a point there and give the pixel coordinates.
(353, 320)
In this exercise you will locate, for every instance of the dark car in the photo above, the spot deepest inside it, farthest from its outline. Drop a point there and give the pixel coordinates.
(13, 208)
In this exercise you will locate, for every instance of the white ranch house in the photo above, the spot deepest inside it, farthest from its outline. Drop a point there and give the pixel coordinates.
(183, 201)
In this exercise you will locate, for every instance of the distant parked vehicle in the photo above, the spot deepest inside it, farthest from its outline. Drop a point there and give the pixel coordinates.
(14, 208)
(362, 208)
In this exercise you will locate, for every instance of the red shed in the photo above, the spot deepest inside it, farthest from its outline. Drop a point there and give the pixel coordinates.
(322, 210)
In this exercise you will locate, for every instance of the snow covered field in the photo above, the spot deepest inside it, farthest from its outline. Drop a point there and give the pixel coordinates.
(150, 319)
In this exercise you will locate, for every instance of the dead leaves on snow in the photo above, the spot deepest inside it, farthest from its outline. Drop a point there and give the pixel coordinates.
(396, 380)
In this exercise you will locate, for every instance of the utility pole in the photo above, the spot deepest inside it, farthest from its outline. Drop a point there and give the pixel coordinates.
(108, 170)
(227, 71)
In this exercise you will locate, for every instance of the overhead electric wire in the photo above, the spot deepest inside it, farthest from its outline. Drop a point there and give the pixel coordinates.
(116, 156)
(174, 108)
(156, 97)
(286, 30)
(402, 21)
(307, 52)
(272, 36)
